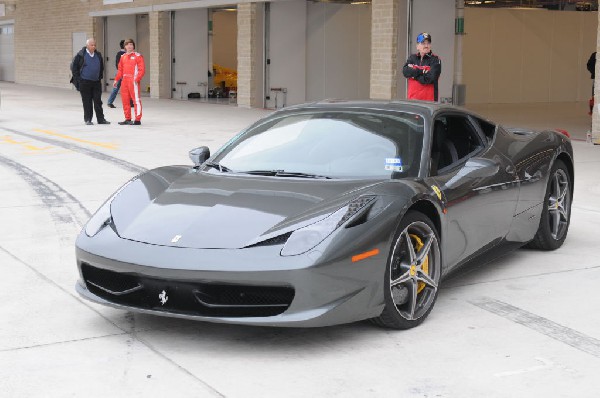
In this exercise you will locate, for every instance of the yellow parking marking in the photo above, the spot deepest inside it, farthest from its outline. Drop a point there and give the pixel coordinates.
(107, 145)
(6, 139)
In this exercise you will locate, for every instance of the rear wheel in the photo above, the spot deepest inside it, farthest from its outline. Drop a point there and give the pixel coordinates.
(556, 214)
(413, 274)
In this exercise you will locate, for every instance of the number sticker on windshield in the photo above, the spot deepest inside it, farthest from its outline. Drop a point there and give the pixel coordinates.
(393, 164)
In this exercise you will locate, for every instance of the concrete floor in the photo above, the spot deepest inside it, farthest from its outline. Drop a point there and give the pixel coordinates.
(526, 325)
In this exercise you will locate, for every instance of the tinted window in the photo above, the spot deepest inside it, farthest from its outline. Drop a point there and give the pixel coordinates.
(488, 129)
(344, 144)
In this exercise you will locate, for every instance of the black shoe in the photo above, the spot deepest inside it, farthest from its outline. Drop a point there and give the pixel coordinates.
(137, 123)
(89, 122)
(104, 122)
(111, 106)
(126, 122)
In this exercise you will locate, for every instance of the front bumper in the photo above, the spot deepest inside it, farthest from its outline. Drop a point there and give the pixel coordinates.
(253, 286)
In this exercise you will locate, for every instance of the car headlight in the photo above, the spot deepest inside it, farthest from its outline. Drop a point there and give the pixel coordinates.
(304, 239)
(103, 217)
(99, 220)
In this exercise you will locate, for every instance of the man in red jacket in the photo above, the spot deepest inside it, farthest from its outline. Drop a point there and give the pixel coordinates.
(423, 70)
(131, 70)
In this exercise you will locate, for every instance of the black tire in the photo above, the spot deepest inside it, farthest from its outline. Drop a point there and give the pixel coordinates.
(413, 273)
(556, 213)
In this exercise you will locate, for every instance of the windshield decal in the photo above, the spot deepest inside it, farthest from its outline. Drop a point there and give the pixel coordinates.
(393, 164)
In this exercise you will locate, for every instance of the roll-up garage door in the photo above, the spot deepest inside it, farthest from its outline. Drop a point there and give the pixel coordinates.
(7, 53)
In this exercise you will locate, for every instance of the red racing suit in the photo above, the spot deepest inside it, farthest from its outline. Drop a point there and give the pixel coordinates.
(423, 75)
(131, 70)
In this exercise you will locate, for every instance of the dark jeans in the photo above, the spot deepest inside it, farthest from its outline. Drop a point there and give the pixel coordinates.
(91, 92)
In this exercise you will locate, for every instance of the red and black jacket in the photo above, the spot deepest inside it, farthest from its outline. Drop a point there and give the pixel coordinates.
(423, 76)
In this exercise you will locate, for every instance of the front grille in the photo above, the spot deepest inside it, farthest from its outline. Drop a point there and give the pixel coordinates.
(185, 297)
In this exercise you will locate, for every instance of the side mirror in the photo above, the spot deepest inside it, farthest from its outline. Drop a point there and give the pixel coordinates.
(199, 155)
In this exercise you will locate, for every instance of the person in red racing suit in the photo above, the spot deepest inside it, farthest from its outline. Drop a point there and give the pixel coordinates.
(131, 70)
(423, 70)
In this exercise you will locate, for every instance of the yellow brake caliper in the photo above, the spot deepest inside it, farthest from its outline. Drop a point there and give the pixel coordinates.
(418, 244)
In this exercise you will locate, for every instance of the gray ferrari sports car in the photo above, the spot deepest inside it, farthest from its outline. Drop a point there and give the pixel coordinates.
(327, 213)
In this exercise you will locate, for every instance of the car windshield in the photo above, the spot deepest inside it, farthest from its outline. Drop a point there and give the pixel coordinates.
(328, 144)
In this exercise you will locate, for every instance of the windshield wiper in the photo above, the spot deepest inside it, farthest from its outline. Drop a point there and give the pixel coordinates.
(262, 172)
(283, 173)
(218, 166)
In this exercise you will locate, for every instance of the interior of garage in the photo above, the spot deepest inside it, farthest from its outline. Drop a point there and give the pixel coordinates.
(316, 50)
(121, 27)
(528, 55)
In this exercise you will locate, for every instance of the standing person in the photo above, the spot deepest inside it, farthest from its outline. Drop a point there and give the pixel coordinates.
(131, 70)
(591, 67)
(115, 90)
(88, 69)
(423, 70)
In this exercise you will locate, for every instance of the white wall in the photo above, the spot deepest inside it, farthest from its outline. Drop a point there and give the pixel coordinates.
(437, 18)
(287, 51)
(190, 51)
(521, 56)
(338, 51)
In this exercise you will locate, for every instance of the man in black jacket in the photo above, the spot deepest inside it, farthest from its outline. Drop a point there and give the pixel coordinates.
(423, 70)
(88, 69)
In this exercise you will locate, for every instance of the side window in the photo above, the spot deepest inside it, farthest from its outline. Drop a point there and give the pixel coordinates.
(488, 129)
(455, 139)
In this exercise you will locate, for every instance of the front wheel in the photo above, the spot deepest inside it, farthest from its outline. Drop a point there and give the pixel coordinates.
(413, 274)
(556, 213)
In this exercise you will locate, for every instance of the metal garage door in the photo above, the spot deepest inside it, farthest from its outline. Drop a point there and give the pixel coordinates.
(7, 53)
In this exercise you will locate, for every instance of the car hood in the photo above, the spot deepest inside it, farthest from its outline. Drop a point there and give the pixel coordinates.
(183, 208)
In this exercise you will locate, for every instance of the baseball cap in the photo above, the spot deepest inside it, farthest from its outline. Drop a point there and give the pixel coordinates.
(423, 36)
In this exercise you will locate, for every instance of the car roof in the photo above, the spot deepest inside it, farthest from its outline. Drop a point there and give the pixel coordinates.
(411, 106)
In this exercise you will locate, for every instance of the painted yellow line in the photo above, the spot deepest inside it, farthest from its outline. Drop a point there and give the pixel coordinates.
(68, 137)
(8, 140)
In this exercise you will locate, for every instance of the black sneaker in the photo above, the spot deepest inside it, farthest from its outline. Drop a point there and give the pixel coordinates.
(104, 122)
(111, 106)
(126, 122)
(137, 123)
(89, 122)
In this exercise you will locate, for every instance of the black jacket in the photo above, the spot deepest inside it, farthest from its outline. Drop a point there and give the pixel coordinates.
(118, 57)
(78, 63)
(591, 65)
(426, 71)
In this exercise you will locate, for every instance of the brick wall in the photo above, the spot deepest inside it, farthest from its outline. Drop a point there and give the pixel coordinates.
(384, 49)
(43, 39)
(246, 19)
(159, 55)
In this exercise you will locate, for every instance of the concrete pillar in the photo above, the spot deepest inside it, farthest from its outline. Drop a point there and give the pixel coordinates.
(384, 49)
(246, 55)
(159, 61)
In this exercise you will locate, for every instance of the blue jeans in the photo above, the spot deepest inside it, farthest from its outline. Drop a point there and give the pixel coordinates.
(114, 93)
